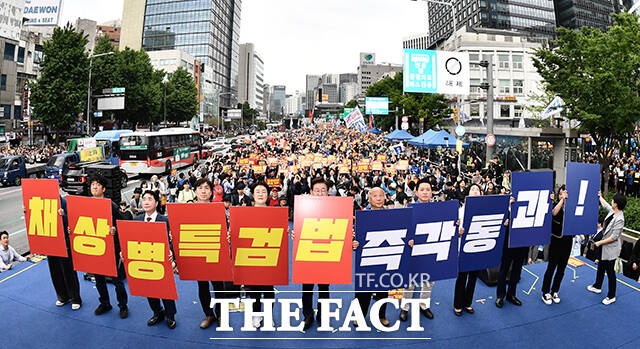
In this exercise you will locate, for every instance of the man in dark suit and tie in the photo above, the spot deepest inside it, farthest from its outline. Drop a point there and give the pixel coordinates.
(150, 202)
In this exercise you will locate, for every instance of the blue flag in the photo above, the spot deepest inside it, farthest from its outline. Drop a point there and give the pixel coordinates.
(484, 231)
(435, 236)
(581, 207)
(531, 213)
(382, 258)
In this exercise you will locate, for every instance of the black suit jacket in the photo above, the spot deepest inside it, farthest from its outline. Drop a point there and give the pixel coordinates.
(159, 218)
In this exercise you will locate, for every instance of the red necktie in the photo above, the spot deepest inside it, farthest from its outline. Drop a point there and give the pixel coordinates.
(148, 219)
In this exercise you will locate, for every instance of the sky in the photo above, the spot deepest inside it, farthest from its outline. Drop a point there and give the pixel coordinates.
(299, 37)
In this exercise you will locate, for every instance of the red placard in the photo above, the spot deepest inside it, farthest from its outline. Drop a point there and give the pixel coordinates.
(322, 248)
(199, 235)
(273, 182)
(92, 245)
(145, 249)
(260, 244)
(45, 231)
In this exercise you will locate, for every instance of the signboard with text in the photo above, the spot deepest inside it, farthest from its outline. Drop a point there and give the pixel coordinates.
(428, 71)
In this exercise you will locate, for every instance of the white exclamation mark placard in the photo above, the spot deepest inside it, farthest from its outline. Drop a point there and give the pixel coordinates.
(584, 184)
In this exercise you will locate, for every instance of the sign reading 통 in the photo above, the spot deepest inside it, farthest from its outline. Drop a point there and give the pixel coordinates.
(427, 71)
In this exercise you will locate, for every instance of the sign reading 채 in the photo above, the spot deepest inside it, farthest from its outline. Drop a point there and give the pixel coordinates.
(41, 200)
(377, 105)
(428, 71)
(42, 12)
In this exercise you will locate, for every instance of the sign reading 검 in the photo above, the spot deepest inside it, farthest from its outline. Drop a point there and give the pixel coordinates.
(428, 71)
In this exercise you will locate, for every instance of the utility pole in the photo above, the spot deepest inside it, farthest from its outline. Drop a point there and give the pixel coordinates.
(89, 90)
(488, 85)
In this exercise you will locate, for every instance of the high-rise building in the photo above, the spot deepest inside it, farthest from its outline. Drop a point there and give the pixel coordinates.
(266, 106)
(10, 28)
(208, 30)
(348, 77)
(251, 77)
(278, 99)
(313, 81)
(348, 91)
(575, 14)
(369, 74)
(532, 17)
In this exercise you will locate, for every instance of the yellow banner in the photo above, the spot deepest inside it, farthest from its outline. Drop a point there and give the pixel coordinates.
(91, 154)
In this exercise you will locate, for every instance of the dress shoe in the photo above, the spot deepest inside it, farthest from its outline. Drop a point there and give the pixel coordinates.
(207, 321)
(171, 323)
(500, 302)
(427, 313)
(101, 309)
(384, 322)
(469, 310)
(404, 315)
(307, 322)
(514, 300)
(457, 312)
(124, 312)
(155, 319)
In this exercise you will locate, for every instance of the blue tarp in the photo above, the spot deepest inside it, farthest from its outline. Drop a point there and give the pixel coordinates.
(399, 135)
(375, 131)
(436, 139)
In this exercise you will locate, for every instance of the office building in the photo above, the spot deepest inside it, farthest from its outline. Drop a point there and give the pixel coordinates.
(278, 99)
(369, 74)
(111, 29)
(575, 14)
(251, 77)
(312, 83)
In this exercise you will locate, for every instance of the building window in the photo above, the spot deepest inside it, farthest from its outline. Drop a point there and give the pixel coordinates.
(517, 62)
(38, 55)
(504, 86)
(517, 111)
(475, 83)
(518, 87)
(5, 109)
(504, 110)
(475, 110)
(20, 54)
(3, 82)
(9, 51)
(503, 61)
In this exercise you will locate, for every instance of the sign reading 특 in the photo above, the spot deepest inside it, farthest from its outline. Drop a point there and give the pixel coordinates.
(427, 71)
(531, 213)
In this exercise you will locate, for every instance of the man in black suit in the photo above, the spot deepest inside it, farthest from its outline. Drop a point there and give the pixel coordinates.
(239, 198)
(98, 186)
(150, 202)
(511, 258)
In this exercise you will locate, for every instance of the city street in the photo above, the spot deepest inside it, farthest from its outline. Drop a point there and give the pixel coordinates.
(13, 219)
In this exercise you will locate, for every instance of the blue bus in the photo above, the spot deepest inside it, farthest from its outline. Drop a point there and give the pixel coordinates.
(110, 142)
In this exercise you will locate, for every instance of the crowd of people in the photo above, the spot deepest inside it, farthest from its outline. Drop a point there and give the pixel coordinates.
(323, 162)
(33, 154)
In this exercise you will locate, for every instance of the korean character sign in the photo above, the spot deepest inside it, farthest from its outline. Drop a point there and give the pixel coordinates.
(531, 212)
(322, 247)
(45, 232)
(199, 236)
(260, 243)
(435, 240)
(582, 206)
(383, 251)
(92, 245)
(481, 244)
(145, 250)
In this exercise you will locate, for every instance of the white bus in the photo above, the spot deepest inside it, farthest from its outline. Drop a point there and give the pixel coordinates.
(160, 151)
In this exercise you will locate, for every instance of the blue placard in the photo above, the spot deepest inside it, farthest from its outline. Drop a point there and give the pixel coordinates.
(420, 71)
(484, 231)
(531, 212)
(581, 207)
(435, 236)
(382, 258)
(377, 105)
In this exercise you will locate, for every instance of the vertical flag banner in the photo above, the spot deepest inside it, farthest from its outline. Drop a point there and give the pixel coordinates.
(322, 247)
(45, 231)
(92, 245)
(145, 249)
(382, 236)
(260, 245)
(484, 231)
(531, 213)
(199, 236)
(582, 207)
(435, 240)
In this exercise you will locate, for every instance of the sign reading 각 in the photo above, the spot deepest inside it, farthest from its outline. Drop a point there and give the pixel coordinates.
(199, 235)
(322, 247)
(531, 213)
(382, 236)
(45, 231)
(260, 243)
(92, 245)
(582, 207)
(435, 240)
(145, 250)
(481, 244)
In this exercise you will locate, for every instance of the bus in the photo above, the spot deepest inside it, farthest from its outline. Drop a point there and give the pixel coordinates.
(109, 141)
(159, 151)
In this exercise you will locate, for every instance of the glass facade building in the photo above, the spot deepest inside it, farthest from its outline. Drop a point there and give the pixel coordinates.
(575, 14)
(207, 29)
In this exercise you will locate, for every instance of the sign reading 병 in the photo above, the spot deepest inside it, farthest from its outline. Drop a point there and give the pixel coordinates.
(427, 71)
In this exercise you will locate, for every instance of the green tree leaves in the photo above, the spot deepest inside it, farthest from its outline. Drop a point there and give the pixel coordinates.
(182, 96)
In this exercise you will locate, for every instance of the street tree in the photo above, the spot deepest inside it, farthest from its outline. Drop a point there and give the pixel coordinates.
(59, 96)
(596, 74)
(182, 96)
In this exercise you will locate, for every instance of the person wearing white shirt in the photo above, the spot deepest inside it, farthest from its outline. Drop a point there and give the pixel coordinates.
(8, 254)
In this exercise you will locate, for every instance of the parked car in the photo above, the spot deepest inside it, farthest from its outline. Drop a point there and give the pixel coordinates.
(14, 168)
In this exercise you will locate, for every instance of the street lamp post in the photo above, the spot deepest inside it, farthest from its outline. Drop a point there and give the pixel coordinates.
(164, 84)
(89, 89)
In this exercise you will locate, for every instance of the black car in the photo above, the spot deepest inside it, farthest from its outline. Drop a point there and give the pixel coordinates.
(75, 177)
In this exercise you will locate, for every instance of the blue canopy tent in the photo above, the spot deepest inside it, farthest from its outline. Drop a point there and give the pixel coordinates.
(438, 139)
(375, 131)
(399, 135)
(422, 139)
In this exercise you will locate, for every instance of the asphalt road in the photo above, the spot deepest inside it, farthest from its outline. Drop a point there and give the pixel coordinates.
(12, 218)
